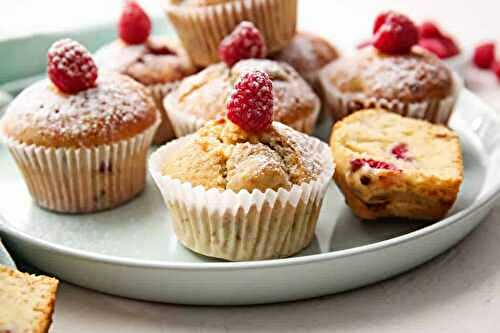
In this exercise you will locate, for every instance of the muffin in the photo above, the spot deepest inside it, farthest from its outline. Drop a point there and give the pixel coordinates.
(27, 301)
(81, 150)
(307, 54)
(244, 187)
(202, 24)
(159, 63)
(203, 96)
(391, 166)
(416, 85)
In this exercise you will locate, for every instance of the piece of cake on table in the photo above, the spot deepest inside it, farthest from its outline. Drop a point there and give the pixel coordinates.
(391, 166)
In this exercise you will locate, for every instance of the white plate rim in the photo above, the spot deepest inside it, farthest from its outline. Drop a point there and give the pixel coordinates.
(487, 198)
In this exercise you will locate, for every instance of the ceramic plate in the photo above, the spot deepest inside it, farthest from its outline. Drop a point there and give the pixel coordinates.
(132, 251)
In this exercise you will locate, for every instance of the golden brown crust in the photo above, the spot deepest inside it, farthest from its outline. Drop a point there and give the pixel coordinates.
(118, 108)
(28, 300)
(140, 63)
(205, 94)
(221, 155)
(424, 184)
(413, 77)
(307, 54)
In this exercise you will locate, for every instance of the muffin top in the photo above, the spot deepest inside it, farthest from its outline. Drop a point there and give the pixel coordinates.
(411, 77)
(117, 108)
(205, 94)
(159, 60)
(307, 53)
(221, 155)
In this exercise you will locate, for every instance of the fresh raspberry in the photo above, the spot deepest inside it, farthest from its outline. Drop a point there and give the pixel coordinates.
(434, 45)
(429, 29)
(244, 42)
(250, 105)
(400, 151)
(70, 66)
(396, 35)
(379, 20)
(484, 55)
(495, 67)
(134, 26)
(156, 47)
(358, 163)
(450, 45)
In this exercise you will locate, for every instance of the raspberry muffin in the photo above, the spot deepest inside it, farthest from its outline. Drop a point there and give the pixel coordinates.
(202, 24)
(244, 187)
(392, 74)
(159, 63)
(203, 96)
(391, 166)
(308, 54)
(80, 141)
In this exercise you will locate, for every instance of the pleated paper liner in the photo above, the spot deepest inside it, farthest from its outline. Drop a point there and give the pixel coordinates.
(165, 131)
(340, 104)
(201, 29)
(243, 226)
(84, 180)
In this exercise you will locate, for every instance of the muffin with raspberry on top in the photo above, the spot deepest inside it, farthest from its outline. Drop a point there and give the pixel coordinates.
(157, 62)
(392, 73)
(203, 96)
(81, 138)
(391, 166)
(258, 184)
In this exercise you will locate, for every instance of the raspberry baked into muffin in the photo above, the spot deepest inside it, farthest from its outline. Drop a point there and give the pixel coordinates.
(203, 24)
(391, 166)
(392, 74)
(159, 63)
(244, 187)
(81, 140)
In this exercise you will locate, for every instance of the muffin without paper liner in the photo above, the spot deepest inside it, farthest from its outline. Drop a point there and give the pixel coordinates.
(84, 152)
(238, 196)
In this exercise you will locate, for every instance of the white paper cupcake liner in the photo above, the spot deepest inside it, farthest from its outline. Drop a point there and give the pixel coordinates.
(165, 131)
(84, 180)
(243, 226)
(437, 111)
(185, 124)
(201, 29)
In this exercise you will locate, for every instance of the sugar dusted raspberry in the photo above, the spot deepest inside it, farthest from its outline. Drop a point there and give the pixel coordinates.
(429, 29)
(495, 67)
(396, 35)
(379, 20)
(450, 45)
(70, 66)
(250, 105)
(400, 151)
(358, 163)
(244, 42)
(434, 45)
(134, 26)
(484, 55)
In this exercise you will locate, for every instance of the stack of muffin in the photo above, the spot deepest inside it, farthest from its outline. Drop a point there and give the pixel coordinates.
(241, 91)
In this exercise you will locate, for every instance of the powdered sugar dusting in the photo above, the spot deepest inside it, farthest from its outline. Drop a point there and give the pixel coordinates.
(117, 104)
